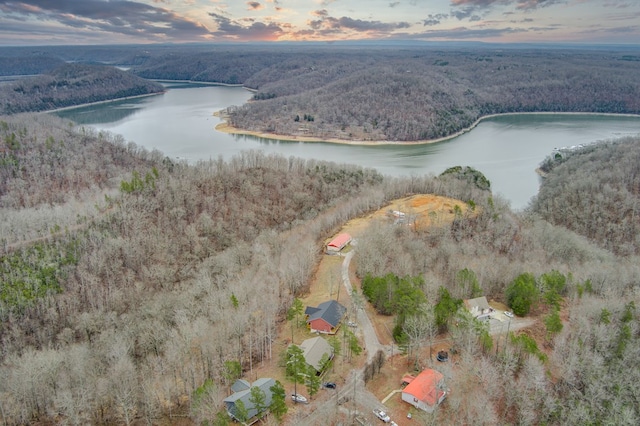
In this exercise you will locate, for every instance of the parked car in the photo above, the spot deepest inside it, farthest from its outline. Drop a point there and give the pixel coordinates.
(352, 324)
(296, 397)
(443, 356)
(329, 385)
(381, 415)
(509, 314)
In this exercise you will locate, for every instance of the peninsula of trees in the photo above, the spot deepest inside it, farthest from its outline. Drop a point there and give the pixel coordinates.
(70, 85)
(400, 93)
(413, 95)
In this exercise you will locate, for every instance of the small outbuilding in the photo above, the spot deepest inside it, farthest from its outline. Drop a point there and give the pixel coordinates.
(326, 318)
(426, 391)
(338, 243)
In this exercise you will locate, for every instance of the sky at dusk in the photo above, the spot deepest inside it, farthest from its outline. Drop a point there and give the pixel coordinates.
(47, 22)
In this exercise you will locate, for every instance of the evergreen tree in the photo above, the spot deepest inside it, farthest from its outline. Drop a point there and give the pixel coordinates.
(241, 413)
(312, 381)
(522, 293)
(278, 405)
(258, 399)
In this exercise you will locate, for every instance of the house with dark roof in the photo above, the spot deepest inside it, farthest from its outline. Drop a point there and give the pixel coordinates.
(242, 392)
(240, 385)
(315, 350)
(426, 391)
(326, 317)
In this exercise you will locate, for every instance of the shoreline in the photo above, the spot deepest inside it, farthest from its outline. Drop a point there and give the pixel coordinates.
(145, 95)
(100, 102)
(205, 83)
(225, 127)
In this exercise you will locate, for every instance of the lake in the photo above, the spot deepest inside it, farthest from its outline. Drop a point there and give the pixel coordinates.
(507, 149)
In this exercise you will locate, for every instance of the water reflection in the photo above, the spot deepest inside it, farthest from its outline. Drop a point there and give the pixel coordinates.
(507, 149)
(117, 111)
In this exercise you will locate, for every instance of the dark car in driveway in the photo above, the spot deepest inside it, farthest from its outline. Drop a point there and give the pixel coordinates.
(329, 385)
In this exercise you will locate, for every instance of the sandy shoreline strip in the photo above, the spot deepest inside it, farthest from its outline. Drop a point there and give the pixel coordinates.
(225, 127)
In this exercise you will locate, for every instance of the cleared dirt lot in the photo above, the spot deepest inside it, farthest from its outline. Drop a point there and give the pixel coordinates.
(421, 211)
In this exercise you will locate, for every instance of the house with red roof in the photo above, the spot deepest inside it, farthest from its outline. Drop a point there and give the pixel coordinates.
(338, 243)
(426, 391)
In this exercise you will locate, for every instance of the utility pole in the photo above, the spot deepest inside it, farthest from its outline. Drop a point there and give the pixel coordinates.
(506, 338)
(355, 383)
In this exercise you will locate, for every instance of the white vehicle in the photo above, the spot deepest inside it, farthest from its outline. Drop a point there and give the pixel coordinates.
(381, 415)
(508, 314)
(352, 324)
(296, 397)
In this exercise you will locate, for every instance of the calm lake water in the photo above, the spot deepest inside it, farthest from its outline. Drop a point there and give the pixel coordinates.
(507, 149)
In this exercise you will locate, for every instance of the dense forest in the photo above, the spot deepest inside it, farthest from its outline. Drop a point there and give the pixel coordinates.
(71, 84)
(417, 95)
(129, 281)
(133, 285)
(595, 193)
(381, 93)
(30, 65)
(406, 94)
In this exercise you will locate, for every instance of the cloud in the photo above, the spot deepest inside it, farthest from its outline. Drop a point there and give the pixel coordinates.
(519, 4)
(464, 33)
(232, 30)
(346, 23)
(617, 4)
(125, 17)
(534, 4)
(623, 30)
(394, 4)
(432, 20)
(254, 5)
(464, 13)
(476, 3)
(321, 12)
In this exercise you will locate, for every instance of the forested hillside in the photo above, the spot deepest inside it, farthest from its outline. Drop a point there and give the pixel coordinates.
(129, 309)
(11, 66)
(72, 84)
(404, 94)
(124, 293)
(220, 65)
(417, 95)
(596, 193)
(400, 93)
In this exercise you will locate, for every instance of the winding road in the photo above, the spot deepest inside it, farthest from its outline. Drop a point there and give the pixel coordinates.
(371, 342)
